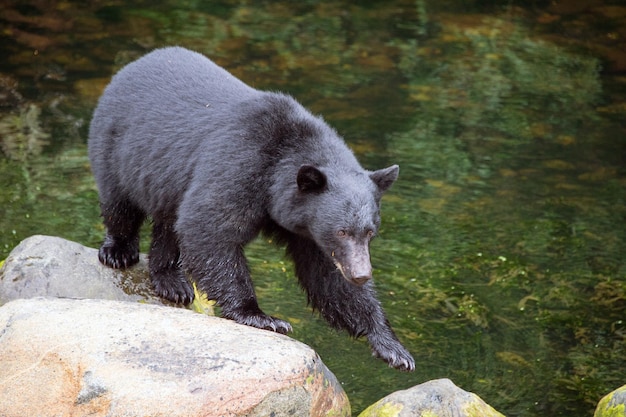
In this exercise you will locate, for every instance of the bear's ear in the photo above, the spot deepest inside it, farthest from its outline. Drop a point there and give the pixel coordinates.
(310, 179)
(383, 178)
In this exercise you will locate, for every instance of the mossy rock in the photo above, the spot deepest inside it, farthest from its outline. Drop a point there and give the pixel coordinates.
(613, 404)
(437, 398)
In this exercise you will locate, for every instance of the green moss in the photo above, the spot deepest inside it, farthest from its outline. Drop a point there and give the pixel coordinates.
(310, 380)
(478, 408)
(612, 405)
(608, 411)
(383, 409)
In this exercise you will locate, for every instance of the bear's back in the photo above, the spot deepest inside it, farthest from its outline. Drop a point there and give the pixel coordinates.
(173, 79)
(174, 117)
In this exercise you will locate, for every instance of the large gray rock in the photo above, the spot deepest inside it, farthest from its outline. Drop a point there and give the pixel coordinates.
(110, 358)
(55, 267)
(437, 398)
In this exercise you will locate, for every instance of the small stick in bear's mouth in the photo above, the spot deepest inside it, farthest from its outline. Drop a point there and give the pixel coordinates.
(340, 268)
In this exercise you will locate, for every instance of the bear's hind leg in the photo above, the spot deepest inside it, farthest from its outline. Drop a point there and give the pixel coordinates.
(120, 248)
(167, 276)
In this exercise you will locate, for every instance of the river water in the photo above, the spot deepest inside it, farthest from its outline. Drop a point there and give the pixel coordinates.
(500, 259)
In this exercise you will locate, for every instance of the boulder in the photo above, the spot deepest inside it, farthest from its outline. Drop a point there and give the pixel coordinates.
(112, 358)
(55, 267)
(437, 398)
(613, 404)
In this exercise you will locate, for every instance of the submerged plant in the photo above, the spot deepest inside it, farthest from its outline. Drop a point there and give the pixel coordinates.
(22, 135)
(505, 179)
(493, 83)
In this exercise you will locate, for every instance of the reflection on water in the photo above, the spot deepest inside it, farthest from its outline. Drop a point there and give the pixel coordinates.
(500, 260)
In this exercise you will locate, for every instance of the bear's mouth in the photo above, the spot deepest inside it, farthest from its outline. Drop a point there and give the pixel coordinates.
(353, 280)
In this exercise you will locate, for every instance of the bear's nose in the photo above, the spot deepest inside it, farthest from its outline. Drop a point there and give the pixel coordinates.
(360, 280)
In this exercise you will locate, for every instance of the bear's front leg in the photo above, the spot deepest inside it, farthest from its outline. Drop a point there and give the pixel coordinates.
(345, 305)
(215, 222)
(222, 273)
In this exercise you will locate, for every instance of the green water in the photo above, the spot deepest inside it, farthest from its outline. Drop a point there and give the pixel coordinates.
(500, 259)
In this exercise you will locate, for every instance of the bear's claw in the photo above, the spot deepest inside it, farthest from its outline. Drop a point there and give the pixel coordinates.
(173, 286)
(386, 346)
(406, 364)
(261, 321)
(398, 358)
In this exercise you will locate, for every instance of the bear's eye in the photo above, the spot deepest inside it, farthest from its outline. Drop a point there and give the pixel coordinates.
(341, 233)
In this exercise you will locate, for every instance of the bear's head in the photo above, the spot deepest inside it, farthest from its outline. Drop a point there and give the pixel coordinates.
(340, 211)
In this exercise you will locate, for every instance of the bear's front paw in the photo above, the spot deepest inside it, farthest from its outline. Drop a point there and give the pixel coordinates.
(400, 359)
(119, 253)
(391, 351)
(260, 320)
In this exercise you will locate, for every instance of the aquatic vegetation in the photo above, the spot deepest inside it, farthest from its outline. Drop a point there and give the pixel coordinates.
(22, 134)
(493, 83)
(500, 258)
(516, 233)
(21, 139)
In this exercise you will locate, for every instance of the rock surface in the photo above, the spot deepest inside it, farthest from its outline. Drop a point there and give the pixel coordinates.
(76, 356)
(437, 398)
(111, 358)
(56, 267)
(613, 404)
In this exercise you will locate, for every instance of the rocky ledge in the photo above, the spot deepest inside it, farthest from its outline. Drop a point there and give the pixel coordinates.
(66, 357)
(77, 338)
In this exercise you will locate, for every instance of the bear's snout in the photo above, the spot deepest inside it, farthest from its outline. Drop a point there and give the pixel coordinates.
(356, 276)
(360, 269)
(354, 262)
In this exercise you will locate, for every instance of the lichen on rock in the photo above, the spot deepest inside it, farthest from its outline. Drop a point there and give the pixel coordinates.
(437, 398)
(613, 404)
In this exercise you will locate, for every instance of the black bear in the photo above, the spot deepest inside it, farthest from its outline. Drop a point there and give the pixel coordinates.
(215, 162)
